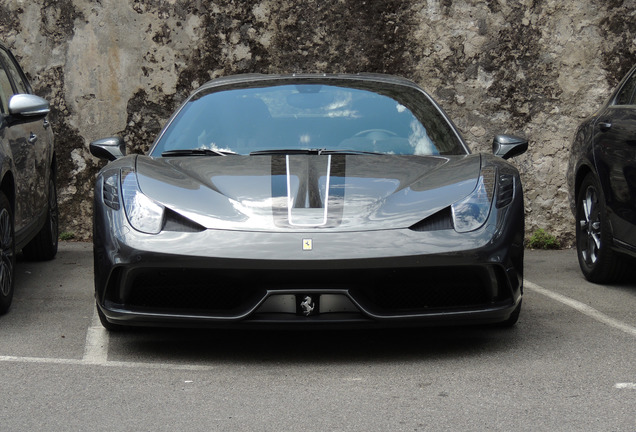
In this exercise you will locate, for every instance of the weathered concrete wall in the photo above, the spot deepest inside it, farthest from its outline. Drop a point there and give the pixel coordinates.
(530, 67)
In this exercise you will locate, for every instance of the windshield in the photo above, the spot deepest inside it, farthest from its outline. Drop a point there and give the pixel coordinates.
(387, 119)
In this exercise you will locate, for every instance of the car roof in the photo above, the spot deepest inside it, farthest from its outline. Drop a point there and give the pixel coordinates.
(255, 77)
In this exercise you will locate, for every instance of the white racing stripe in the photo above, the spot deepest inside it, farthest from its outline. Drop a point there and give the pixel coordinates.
(583, 308)
(307, 220)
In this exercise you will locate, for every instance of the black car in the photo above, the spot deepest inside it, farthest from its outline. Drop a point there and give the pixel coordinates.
(317, 200)
(28, 199)
(602, 185)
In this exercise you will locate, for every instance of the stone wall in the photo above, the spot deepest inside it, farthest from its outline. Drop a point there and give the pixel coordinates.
(529, 67)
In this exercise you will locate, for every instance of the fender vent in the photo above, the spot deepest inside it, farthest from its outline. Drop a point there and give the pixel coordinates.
(506, 190)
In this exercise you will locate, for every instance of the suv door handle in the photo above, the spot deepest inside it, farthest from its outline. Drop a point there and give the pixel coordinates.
(605, 126)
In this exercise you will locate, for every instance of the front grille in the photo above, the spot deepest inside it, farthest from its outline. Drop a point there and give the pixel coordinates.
(193, 291)
(419, 291)
(378, 291)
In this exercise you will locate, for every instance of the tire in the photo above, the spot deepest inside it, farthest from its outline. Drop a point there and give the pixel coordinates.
(598, 261)
(43, 246)
(7, 254)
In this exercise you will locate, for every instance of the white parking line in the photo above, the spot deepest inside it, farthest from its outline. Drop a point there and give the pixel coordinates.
(64, 361)
(628, 386)
(583, 308)
(97, 340)
(96, 348)
(96, 354)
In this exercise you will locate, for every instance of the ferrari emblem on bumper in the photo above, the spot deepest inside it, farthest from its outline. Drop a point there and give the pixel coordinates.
(308, 244)
(307, 306)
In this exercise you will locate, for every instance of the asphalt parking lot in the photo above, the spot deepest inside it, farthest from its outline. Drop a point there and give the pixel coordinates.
(567, 366)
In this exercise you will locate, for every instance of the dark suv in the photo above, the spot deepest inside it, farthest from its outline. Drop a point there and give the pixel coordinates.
(602, 182)
(28, 199)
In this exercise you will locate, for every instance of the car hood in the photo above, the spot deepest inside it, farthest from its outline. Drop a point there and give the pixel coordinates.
(307, 192)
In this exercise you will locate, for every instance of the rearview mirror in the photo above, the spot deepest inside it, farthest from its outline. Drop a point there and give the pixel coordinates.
(108, 148)
(508, 146)
(28, 105)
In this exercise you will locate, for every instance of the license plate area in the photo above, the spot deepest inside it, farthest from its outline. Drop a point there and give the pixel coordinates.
(308, 304)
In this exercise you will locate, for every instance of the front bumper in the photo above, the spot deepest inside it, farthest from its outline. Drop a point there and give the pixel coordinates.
(372, 278)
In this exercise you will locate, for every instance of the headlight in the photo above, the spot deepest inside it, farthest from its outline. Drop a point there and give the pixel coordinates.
(471, 213)
(144, 214)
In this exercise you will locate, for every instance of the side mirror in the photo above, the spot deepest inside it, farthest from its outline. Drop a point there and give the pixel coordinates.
(508, 146)
(108, 148)
(28, 105)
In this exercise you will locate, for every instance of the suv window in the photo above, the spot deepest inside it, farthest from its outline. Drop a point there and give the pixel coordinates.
(626, 95)
(5, 91)
(21, 86)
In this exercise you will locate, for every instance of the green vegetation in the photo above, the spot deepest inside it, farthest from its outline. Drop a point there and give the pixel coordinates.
(67, 236)
(542, 240)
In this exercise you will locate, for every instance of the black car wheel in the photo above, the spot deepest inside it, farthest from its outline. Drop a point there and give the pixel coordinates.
(44, 244)
(599, 263)
(7, 254)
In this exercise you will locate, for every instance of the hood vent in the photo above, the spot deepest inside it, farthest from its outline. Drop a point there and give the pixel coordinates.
(175, 222)
(442, 220)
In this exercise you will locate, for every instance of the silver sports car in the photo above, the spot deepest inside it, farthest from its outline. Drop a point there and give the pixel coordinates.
(315, 200)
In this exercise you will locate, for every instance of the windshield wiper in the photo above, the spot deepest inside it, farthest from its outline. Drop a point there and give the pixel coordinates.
(350, 152)
(309, 152)
(196, 152)
(286, 152)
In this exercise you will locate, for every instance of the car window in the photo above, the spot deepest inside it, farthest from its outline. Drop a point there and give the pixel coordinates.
(392, 120)
(626, 95)
(5, 91)
(19, 81)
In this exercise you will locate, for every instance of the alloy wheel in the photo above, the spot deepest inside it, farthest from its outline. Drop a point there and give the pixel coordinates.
(590, 226)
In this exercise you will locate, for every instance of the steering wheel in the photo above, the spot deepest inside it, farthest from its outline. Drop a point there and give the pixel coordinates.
(376, 134)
